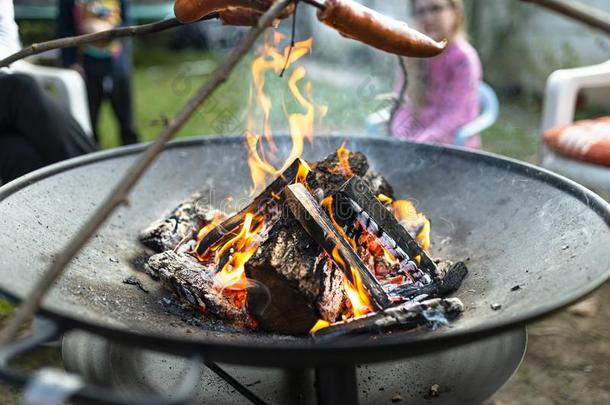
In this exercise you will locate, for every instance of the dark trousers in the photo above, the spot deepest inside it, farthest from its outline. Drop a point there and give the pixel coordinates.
(34, 129)
(118, 91)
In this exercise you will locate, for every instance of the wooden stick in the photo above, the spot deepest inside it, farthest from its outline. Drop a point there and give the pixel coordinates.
(401, 93)
(69, 42)
(318, 225)
(593, 17)
(119, 195)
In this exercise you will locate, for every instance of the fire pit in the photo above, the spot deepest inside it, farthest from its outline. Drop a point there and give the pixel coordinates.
(533, 242)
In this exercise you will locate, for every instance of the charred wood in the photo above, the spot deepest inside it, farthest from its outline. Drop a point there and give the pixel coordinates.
(181, 223)
(377, 218)
(194, 284)
(261, 204)
(319, 226)
(431, 313)
(285, 309)
(331, 302)
(290, 264)
(451, 281)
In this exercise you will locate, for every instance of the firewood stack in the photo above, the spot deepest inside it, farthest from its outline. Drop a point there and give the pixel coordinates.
(316, 248)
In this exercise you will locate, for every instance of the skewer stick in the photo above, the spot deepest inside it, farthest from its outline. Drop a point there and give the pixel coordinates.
(131, 31)
(119, 195)
(69, 42)
(595, 18)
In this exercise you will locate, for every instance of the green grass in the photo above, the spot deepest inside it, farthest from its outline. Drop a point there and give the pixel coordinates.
(515, 133)
(161, 89)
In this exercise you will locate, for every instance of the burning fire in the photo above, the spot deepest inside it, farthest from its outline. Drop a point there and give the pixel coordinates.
(240, 248)
(262, 159)
(407, 215)
(232, 251)
(343, 156)
(356, 293)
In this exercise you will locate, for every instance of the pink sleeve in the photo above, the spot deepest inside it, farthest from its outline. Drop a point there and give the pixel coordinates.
(458, 104)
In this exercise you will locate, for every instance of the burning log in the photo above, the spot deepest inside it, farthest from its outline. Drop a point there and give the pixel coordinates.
(194, 283)
(305, 285)
(382, 223)
(451, 280)
(260, 205)
(285, 264)
(181, 223)
(317, 224)
(433, 313)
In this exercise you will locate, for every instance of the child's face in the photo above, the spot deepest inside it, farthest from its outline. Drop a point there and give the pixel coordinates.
(436, 18)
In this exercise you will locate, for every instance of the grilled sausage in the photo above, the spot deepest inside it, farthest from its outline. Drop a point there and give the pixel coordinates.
(241, 17)
(358, 22)
(187, 11)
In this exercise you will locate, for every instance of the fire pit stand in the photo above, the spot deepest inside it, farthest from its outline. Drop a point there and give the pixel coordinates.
(330, 384)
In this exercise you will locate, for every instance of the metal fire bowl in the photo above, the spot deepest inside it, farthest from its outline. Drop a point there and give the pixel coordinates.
(466, 374)
(514, 225)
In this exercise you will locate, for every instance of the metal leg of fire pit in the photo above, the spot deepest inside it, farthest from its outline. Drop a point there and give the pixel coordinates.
(249, 395)
(337, 385)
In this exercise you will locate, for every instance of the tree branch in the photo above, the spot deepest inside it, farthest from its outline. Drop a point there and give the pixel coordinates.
(595, 18)
(400, 97)
(69, 42)
(119, 194)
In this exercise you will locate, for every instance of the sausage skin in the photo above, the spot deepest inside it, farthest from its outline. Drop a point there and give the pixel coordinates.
(358, 22)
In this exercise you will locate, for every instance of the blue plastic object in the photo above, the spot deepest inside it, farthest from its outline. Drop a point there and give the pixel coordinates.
(490, 108)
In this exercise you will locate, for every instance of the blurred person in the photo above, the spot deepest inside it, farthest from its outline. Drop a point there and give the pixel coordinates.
(34, 129)
(443, 92)
(105, 65)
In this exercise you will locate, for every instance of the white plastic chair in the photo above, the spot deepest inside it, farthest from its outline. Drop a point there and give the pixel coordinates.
(67, 85)
(490, 107)
(562, 88)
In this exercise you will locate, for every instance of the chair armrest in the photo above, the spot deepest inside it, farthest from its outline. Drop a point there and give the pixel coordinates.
(376, 122)
(70, 87)
(563, 86)
(490, 108)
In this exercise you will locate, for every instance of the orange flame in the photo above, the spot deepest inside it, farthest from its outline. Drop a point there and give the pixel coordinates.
(357, 294)
(240, 248)
(262, 160)
(216, 220)
(321, 324)
(384, 199)
(343, 156)
(406, 213)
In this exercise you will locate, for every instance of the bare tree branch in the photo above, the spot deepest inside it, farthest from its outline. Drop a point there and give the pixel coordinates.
(595, 18)
(119, 194)
(400, 97)
(69, 42)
